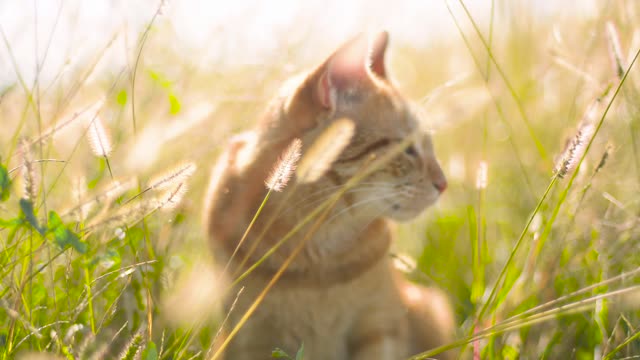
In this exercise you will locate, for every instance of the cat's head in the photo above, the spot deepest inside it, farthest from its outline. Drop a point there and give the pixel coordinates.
(353, 83)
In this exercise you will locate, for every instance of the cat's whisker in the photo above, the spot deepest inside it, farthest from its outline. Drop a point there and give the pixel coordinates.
(360, 203)
(377, 183)
(408, 192)
(326, 189)
(330, 190)
(305, 205)
(414, 190)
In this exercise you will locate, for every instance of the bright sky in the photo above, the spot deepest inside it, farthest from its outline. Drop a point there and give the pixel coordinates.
(222, 30)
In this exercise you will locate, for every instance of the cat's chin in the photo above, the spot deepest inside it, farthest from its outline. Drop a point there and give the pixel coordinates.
(405, 215)
(402, 217)
(408, 212)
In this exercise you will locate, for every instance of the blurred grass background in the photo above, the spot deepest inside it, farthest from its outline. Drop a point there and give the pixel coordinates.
(503, 85)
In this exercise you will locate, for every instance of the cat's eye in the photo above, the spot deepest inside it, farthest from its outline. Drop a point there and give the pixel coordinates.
(411, 151)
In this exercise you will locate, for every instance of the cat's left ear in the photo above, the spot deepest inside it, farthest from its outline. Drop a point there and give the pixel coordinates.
(375, 57)
(352, 65)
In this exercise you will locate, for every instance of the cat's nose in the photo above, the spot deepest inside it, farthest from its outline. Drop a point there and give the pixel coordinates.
(438, 179)
(440, 184)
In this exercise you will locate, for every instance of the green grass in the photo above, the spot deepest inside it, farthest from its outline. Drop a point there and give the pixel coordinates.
(100, 247)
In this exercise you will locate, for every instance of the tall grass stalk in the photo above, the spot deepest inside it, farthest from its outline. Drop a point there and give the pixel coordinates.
(512, 91)
(535, 318)
(283, 170)
(496, 104)
(623, 344)
(554, 179)
(274, 279)
(87, 277)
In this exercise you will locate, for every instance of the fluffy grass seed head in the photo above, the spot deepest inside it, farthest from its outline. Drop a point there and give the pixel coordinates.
(615, 50)
(177, 175)
(574, 150)
(482, 175)
(285, 167)
(116, 188)
(83, 115)
(132, 349)
(125, 216)
(99, 139)
(105, 197)
(172, 198)
(71, 332)
(29, 176)
(325, 150)
(604, 158)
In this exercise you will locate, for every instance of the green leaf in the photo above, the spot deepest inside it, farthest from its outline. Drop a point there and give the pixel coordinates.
(11, 223)
(38, 294)
(160, 79)
(174, 104)
(54, 220)
(5, 183)
(150, 352)
(27, 210)
(121, 98)
(135, 236)
(300, 353)
(64, 237)
(99, 174)
(279, 354)
(107, 260)
(510, 352)
(512, 275)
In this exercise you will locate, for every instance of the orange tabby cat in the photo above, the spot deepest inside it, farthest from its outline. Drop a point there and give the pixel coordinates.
(340, 297)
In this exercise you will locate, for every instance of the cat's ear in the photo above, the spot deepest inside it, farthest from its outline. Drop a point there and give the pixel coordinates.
(350, 66)
(376, 54)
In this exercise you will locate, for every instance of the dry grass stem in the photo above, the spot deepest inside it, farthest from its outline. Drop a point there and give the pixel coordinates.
(214, 342)
(124, 216)
(105, 197)
(83, 115)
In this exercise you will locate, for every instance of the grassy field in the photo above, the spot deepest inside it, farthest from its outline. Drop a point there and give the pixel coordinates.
(536, 122)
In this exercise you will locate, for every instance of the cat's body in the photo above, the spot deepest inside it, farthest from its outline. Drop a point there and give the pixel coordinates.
(340, 296)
